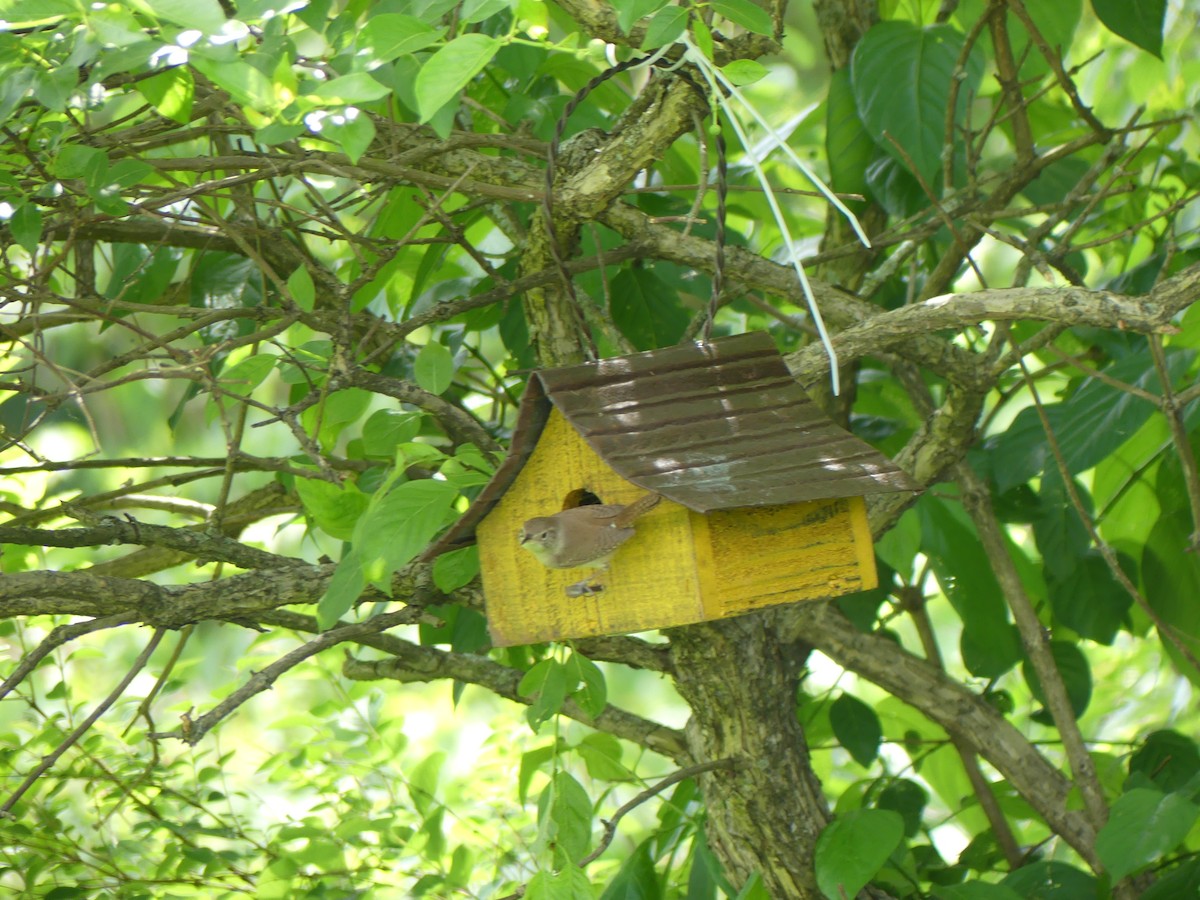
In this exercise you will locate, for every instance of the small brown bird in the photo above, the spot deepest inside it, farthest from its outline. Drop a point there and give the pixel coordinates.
(583, 537)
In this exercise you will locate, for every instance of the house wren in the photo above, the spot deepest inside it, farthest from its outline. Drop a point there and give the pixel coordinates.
(583, 537)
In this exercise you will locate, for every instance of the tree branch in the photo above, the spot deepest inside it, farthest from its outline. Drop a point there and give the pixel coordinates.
(413, 663)
(964, 715)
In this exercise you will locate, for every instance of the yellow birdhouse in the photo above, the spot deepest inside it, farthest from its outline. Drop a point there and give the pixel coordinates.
(761, 494)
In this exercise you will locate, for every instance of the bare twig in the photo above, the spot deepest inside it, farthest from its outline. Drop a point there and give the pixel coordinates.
(192, 731)
(56, 638)
(610, 825)
(80, 730)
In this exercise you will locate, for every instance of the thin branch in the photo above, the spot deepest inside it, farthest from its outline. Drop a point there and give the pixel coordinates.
(55, 639)
(413, 663)
(83, 727)
(610, 825)
(192, 731)
(1109, 555)
(110, 530)
(915, 605)
(1173, 411)
(978, 505)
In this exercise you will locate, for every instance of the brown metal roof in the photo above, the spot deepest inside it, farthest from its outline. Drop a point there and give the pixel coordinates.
(711, 426)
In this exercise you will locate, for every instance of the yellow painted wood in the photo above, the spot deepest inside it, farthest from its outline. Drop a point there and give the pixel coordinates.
(782, 554)
(706, 567)
(864, 544)
(650, 584)
(680, 567)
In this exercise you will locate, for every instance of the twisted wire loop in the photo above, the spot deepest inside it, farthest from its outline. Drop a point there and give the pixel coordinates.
(548, 197)
(718, 279)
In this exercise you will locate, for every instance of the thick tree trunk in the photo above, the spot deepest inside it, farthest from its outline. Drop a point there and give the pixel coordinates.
(765, 813)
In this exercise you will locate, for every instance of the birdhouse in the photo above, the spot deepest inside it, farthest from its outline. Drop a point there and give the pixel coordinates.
(762, 494)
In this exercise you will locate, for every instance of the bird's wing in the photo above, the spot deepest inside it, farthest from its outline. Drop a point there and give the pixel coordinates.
(602, 514)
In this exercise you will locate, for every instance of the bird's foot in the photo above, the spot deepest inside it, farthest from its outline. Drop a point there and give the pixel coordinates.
(582, 588)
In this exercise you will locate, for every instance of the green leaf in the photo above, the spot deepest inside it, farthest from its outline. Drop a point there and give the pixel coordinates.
(26, 226)
(53, 88)
(1138, 21)
(568, 883)
(665, 28)
(398, 526)
(415, 453)
(1050, 880)
(351, 130)
(469, 467)
(532, 762)
(1183, 881)
(387, 429)
(390, 35)
(243, 377)
(65, 893)
(546, 684)
(637, 879)
(630, 11)
(703, 38)
(853, 848)
(1074, 670)
(357, 87)
(908, 799)
(1057, 528)
(894, 187)
(748, 15)
(1089, 425)
(171, 93)
(457, 568)
(592, 693)
(1090, 600)
(144, 277)
(646, 309)
(336, 509)
(856, 728)
(463, 629)
(204, 15)
(301, 287)
(753, 889)
(601, 753)
(1167, 758)
(105, 186)
(434, 367)
(15, 84)
(423, 783)
(744, 71)
(1172, 581)
(472, 11)
(901, 75)
(848, 146)
(1143, 826)
(565, 817)
(450, 70)
(78, 161)
(977, 890)
(245, 84)
(956, 556)
(344, 589)
(898, 546)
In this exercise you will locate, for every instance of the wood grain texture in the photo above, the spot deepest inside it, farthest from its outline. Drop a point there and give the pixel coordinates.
(681, 566)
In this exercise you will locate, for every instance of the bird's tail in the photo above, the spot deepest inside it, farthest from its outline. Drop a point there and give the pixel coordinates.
(642, 504)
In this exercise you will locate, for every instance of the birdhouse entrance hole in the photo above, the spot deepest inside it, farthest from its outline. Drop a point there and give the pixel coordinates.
(581, 497)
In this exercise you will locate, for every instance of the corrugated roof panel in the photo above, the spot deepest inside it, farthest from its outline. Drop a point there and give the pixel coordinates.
(716, 426)
(711, 426)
